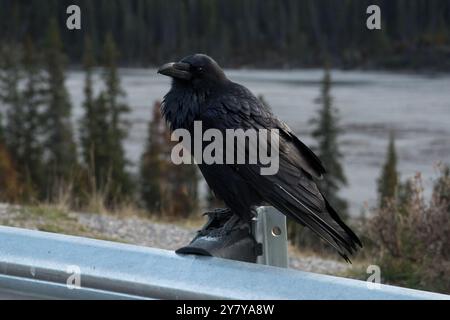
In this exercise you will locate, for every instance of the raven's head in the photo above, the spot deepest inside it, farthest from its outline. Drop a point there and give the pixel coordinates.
(195, 78)
(197, 70)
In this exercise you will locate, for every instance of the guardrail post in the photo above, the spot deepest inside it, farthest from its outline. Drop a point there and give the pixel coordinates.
(269, 229)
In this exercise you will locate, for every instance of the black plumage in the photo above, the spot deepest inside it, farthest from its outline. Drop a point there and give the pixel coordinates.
(201, 92)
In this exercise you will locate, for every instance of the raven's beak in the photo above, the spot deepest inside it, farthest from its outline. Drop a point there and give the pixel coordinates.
(178, 70)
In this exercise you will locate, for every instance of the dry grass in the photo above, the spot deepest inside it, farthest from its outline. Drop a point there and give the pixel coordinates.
(49, 218)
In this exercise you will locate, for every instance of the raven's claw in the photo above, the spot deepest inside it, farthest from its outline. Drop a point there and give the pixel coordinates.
(217, 218)
(224, 235)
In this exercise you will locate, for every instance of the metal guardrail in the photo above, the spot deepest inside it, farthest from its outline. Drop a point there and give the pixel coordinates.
(35, 264)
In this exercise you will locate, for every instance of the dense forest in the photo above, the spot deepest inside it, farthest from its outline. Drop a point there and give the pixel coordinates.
(270, 33)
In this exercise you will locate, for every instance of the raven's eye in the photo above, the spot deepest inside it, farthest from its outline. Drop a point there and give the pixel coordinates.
(199, 69)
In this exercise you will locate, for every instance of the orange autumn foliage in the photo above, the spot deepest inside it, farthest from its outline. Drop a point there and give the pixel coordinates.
(9, 183)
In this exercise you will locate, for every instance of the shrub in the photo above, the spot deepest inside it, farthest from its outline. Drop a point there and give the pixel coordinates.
(411, 238)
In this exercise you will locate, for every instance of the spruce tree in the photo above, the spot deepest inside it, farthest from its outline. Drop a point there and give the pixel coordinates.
(388, 180)
(120, 182)
(10, 95)
(166, 187)
(22, 131)
(326, 133)
(94, 130)
(100, 160)
(59, 142)
(441, 188)
(153, 164)
(30, 154)
(88, 124)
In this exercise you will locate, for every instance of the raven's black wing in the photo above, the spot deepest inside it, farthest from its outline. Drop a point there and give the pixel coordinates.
(292, 190)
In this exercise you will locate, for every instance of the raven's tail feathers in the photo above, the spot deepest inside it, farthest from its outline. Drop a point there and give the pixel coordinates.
(334, 230)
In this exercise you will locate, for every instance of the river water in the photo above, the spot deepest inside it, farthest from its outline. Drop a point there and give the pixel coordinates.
(370, 104)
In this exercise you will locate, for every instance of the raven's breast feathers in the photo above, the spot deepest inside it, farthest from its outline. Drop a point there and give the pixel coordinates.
(181, 106)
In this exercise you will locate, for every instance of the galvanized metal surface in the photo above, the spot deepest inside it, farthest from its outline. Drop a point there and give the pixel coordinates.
(30, 289)
(270, 230)
(35, 264)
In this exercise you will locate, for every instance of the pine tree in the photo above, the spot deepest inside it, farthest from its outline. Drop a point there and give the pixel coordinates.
(10, 95)
(88, 125)
(388, 180)
(441, 188)
(326, 134)
(166, 187)
(100, 160)
(153, 165)
(120, 183)
(59, 142)
(30, 154)
(94, 130)
(103, 128)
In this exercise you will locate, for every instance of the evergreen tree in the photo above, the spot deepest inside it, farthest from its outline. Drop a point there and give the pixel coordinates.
(29, 155)
(59, 142)
(120, 182)
(166, 187)
(388, 180)
(404, 193)
(23, 117)
(153, 165)
(441, 188)
(88, 125)
(99, 157)
(10, 95)
(94, 130)
(103, 128)
(326, 134)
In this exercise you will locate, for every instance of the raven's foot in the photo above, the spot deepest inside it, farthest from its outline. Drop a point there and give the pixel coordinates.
(233, 223)
(222, 221)
(224, 235)
(217, 218)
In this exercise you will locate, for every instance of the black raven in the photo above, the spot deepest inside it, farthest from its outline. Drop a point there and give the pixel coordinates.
(201, 91)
